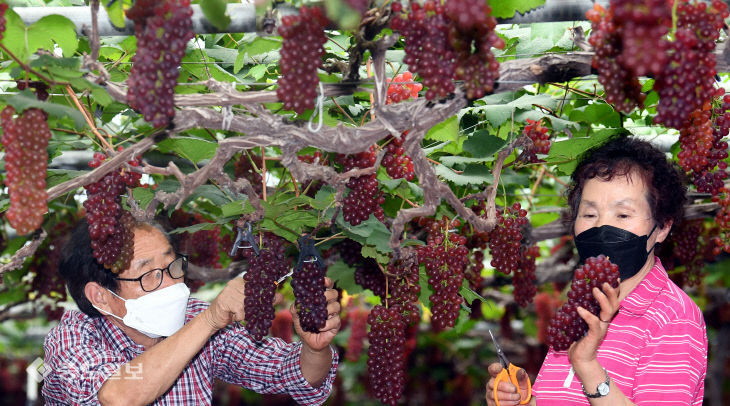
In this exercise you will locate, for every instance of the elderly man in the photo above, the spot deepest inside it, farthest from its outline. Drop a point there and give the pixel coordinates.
(139, 339)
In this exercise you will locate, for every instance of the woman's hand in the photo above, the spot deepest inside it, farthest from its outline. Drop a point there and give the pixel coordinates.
(506, 392)
(583, 352)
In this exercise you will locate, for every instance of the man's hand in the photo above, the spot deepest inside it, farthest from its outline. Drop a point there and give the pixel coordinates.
(320, 341)
(227, 307)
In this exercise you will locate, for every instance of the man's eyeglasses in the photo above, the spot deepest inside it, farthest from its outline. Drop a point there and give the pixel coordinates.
(152, 280)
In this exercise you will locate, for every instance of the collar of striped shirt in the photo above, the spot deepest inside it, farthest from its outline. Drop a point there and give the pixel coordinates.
(643, 295)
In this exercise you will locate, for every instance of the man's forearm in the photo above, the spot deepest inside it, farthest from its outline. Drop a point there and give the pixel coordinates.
(158, 367)
(315, 365)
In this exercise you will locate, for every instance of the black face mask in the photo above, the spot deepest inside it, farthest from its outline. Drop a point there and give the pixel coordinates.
(623, 248)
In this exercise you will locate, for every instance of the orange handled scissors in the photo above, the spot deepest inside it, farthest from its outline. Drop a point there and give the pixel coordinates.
(508, 374)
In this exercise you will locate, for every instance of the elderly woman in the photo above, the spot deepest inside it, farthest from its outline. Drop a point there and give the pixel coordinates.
(648, 345)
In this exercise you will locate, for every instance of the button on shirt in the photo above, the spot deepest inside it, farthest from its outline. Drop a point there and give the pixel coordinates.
(82, 352)
(655, 350)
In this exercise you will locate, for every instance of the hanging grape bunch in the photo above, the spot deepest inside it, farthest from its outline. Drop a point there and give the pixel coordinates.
(524, 276)
(111, 228)
(309, 288)
(25, 138)
(301, 56)
(567, 326)
(162, 29)
(506, 238)
(397, 164)
(540, 139)
(710, 177)
(364, 198)
(264, 270)
(386, 354)
(445, 257)
(404, 290)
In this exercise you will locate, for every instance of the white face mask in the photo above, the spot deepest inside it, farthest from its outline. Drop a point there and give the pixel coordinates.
(157, 314)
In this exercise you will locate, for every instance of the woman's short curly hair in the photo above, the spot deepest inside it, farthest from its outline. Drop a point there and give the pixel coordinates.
(622, 155)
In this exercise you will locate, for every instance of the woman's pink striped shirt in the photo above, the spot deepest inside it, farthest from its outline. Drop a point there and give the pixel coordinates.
(655, 350)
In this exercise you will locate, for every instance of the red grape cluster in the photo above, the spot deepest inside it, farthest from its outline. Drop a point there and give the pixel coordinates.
(350, 251)
(248, 166)
(264, 270)
(505, 238)
(111, 228)
(358, 331)
(546, 305)
(364, 197)
(404, 289)
(568, 326)
(687, 82)
(713, 176)
(445, 257)
(40, 88)
(25, 139)
(695, 140)
(685, 248)
(524, 277)
(301, 56)
(643, 26)
(540, 138)
(203, 246)
(386, 356)
(47, 281)
(621, 84)
(451, 41)
(162, 29)
(428, 52)
(472, 36)
(308, 285)
(369, 276)
(722, 240)
(3, 9)
(397, 164)
(400, 88)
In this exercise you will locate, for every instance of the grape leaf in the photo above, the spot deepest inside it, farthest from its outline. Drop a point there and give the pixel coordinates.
(194, 149)
(508, 8)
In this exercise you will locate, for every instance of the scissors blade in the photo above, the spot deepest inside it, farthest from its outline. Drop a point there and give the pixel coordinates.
(500, 354)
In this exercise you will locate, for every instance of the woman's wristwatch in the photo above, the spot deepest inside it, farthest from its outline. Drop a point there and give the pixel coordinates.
(602, 389)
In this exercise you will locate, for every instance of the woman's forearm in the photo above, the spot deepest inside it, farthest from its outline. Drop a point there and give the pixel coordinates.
(149, 375)
(591, 375)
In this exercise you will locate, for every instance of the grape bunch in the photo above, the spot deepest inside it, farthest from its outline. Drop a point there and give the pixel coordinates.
(696, 140)
(505, 238)
(364, 197)
(451, 41)
(643, 26)
(712, 178)
(621, 84)
(248, 167)
(687, 82)
(311, 304)
(25, 139)
(40, 88)
(47, 281)
(404, 289)
(3, 9)
(162, 29)
(301, 56)
(685, 248)
(540, 138)
(400, 88)
(397, 164)
(722, 240)
(428, 52)
(568, 326)
(386, 356)
(524, 277)
(111, 228)
(264, 270)
(369, 276)
(203, 246)
(546, 304)
(445, 258)
(472, 36)
(358, 331)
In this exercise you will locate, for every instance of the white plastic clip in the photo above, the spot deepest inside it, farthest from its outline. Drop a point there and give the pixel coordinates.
(227, 117)
(319, 107)
(285, 276)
